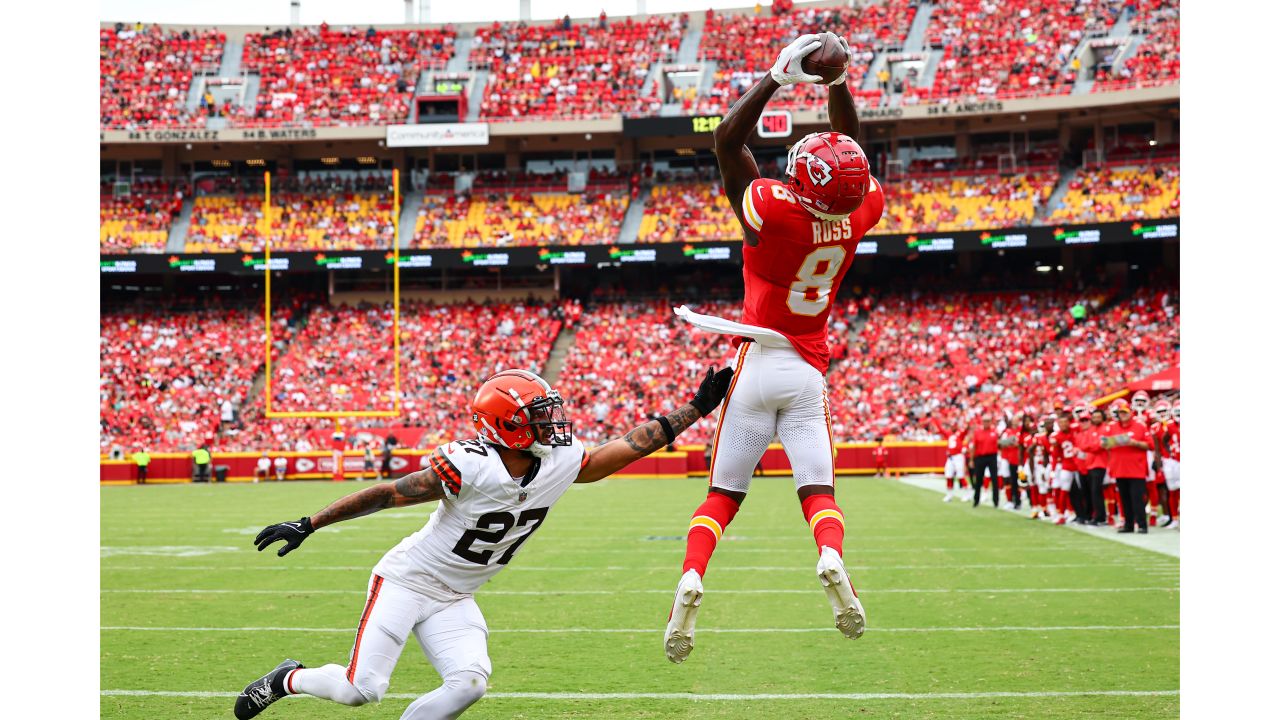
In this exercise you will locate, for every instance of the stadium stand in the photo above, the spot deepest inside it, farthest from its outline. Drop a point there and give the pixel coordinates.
(313, 213)
(745, 46)
(1022, 48)
(1158, 59)
(341, 360)
(921, 353)
(139, 221)
(145, 74)
(964, 203)
(574, 71)
(697, 211)
(322, 76)
(634, 357)
(501, 218)
(1135, 337)
(1122, 193)
(165, 372)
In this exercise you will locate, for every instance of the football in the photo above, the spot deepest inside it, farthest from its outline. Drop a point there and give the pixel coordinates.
(827, 61)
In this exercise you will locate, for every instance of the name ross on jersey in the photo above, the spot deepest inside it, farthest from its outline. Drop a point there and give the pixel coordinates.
(828, 231)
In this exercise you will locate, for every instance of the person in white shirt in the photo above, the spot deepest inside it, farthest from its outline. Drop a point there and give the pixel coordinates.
(282, 467)
(494, 492)
(263, 469)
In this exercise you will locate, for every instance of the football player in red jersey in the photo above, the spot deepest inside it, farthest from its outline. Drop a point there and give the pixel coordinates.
(955, 467)
(799, 239)
(1168, 439)
(1142, 414)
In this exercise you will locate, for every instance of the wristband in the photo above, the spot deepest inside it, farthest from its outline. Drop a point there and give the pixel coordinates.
(666, 428)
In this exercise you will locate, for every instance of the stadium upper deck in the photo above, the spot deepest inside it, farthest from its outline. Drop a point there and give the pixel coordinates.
(308, 77)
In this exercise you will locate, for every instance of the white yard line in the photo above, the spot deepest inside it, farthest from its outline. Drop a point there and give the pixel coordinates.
(660, 591)
(1159, 540)
(710, 696)
(806, 568)
(645, 631)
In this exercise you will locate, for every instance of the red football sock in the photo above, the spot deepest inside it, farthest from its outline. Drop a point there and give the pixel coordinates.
(950, 483)
(1008, 492)
(708, 524)
(1175, 499)
(825, 520)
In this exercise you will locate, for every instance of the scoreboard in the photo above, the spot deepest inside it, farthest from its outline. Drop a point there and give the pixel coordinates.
(674, 126)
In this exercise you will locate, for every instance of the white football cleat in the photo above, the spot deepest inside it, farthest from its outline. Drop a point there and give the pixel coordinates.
(947, 497)
(678, 640)
(851, 619)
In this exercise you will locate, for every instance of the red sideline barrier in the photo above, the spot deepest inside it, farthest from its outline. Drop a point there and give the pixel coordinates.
(689, 460)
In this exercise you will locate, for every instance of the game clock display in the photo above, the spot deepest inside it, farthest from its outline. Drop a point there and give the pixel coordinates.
(774, 124)
(674, 126)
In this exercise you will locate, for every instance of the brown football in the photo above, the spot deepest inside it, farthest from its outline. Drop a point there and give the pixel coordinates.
(827, 61)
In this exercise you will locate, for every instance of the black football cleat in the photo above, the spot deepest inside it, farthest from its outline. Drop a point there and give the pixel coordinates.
(265, 690)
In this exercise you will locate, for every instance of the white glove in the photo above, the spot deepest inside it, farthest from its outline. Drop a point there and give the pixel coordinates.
(848, 54)
(786, 71)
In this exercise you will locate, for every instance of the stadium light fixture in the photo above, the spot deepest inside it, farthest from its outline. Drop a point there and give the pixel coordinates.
(1043, 268)
(1153, 143)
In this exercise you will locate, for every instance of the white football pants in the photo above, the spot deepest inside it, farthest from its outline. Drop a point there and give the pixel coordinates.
(451, 632)
(774, 392)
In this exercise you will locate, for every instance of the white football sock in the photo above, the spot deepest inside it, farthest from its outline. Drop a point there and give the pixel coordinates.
(328, 682)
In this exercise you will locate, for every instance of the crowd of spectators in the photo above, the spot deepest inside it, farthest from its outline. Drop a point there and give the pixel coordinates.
(145, 74)
(920, 354)
(316, 212)
(1124, 193)
(1137, 336)
(1158, 58)
(323, 76)
(494, 218)
(342, 360)
(745, 46)
(689, 211)
(633, 359)
(138, 221)
(964, 203)
(168, 377)
(1020, 48)
(568, 69)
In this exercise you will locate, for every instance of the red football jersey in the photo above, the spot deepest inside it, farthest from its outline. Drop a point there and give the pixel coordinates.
(1010, 453)
(792, 274)
(954, 444)
(1056, 439)
(1171, 441)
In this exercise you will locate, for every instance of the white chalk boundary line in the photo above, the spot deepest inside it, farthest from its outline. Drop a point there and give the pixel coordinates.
(709, 696)
(645, 631)
(631, 569)
(663, 591)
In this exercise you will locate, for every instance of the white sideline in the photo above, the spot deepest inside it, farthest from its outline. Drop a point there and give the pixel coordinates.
(1159, 540)
(708, 696)
(661, 591)
(642, 631)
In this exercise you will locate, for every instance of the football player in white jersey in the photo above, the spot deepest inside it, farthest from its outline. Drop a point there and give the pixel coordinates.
(495, 491)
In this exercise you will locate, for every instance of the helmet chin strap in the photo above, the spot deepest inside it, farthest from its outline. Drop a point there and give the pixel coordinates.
(540, 451)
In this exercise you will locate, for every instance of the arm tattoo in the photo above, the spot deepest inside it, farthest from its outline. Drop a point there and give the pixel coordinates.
(649, 437)
(414, 488)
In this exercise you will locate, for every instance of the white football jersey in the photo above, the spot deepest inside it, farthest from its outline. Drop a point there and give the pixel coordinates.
(485, 517)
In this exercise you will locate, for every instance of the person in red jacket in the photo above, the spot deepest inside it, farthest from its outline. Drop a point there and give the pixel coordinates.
(1092, 462)
(983, 444)
(1008, 464)
(1128, 442)
(880, 454)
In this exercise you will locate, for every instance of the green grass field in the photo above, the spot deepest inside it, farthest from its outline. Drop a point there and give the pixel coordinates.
(971, 613)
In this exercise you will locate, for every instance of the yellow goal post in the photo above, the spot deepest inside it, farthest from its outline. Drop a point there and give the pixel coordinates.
(336, 415)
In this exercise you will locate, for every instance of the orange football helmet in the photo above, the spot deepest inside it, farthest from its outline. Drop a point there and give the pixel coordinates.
(515, 407)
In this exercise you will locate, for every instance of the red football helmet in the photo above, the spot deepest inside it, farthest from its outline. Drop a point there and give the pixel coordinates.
(1141, 400)
(513, 408)
(829, 173)
(1163, 410)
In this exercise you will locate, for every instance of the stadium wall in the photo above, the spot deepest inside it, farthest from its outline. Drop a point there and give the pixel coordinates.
(686, 461)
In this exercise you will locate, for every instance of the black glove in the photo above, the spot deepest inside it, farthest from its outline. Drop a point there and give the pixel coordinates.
(712, 390)
(292, 533)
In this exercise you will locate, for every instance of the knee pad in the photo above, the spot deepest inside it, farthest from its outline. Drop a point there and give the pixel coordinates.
(468, 686)
(369, 687)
